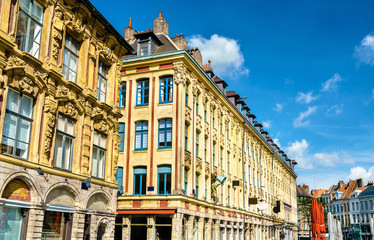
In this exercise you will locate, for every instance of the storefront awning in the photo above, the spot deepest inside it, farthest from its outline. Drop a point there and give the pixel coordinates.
(146, 211)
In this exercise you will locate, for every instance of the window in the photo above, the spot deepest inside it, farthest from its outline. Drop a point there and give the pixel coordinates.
(186, 136)
(185, 181)
(102, 80)
(141, 135)
(214, 154)
(140, 180)
(164, 179)
(143, 49)
(17, 125)
(213, 117)
(197, 143)
(205, 147)
(228, 162)
(64, 142)
(197, 185)
(119, 179)
(197, 103)
(98, 155)
(205, 111)
(30, 26)
(142, 92)
(187, 93)
(166, 89)
(122, 95)
(164, 133)
(71, 55)
(121, 133)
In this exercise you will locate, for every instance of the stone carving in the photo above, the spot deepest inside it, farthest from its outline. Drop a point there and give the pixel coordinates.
(206, 129)
(207, 168)
(188, 114)
(14, 61)
(70, 110)
(180, 73)
(198, 122)
(117, 142)
(102, 126)
(215, 138)
(76, 23)
(26, 85)
(50, 114)
(199, 165)
(61, 91)
(187, 159)
(41, 75)
(57, 31)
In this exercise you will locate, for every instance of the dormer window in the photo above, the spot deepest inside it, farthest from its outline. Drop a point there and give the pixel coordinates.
(143, 48)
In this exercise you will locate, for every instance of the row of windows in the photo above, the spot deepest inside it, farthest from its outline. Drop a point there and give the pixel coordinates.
(142, 92)
(140, 180)
(165, 128)
(28, 38)
(17, 131)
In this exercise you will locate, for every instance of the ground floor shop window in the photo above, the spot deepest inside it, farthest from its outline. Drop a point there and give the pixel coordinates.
(185, 228)
(56, 226)
(13, 223)
(87, 227)
(194, 230)
(118, 228)
(138, 228)
(163, 228)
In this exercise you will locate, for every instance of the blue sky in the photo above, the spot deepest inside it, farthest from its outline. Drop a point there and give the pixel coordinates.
(307, 68)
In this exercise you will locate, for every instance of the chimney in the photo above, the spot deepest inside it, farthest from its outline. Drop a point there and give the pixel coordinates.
(181, 42)
(160, 25)
(195, 53)
(340, 184)
(359, 182)
(129, 32)
(370, 183)
(306, 187)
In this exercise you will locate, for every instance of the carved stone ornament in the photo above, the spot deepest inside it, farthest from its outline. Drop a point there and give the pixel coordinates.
(41, 75)
(102, 126)
(26, 85)
(198, 122)
(188, 114)
(187, 159)
(117, 142)
(14, 61)
(50, 109)
(57, 31)
(180, 73)
(62, 91)
(199, 165)
(70, 110)
(206, 130)
(76, 24)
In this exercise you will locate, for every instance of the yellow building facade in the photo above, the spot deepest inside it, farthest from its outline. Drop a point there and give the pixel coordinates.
(59, 74)
(193, 162)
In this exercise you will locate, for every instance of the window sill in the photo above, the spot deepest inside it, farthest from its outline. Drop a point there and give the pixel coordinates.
(165, 103)
(164, 149)
(141, 106)
(140, 150)
(13, 156)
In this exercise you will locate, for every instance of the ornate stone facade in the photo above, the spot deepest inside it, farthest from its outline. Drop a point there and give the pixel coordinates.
(55, 157)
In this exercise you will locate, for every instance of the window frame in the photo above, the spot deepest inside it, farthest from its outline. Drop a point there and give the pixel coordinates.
(99, 149)
(29, 19)
(102, 76)
(120, 183)
(64, 136)
(164, 174)
(165, 132)
(142, 174)
(68, 52)
(19, 117)
(186, 93)
(122, 92)
(168, 83)
(142, 131)
(142, 89)
(197, 143)
(141, 44)
(121, 133)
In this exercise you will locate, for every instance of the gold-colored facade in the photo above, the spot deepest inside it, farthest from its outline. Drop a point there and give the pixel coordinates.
(210, 138)
(59, 76)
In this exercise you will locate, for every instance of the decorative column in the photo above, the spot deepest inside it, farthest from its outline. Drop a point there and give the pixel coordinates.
(151, 228)
(35, 223)
(126, 228)
(200, 228)
(177, 226)
(208, 228)
(78, 225)
(190, 227)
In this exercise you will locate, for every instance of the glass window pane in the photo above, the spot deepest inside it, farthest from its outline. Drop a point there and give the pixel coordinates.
(162, 124)
(7, 146)
(145, 140)
(26, 109)
(138, 126)
(168, 136)
(11, 225)
(25, 5)
(34, 39)
(38, 12)
(22, 150)
(24, 131)
(161, 183)
(144, 184)
(94, 162)
(146, 83)
(68, 152)
(168, 122)
(58, 151)
(145, 125)
(61, 123)
(13, 101)
(70, 127)
(168, 183)
(138, 140)
(137, 184)
(10, 124)
(162, 139)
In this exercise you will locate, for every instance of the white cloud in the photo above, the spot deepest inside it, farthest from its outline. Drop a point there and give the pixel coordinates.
(333, 158)
(335, 110)
(300, 120)
(368, 101)
(267, 124)
(305, 97)
(276, 141)
(298, 150)
(360, 172)
(278, 107)
(225, 54)
(365, 51)
(331, 85)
